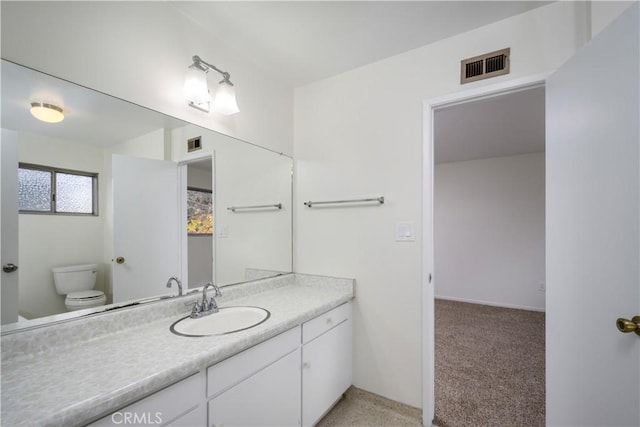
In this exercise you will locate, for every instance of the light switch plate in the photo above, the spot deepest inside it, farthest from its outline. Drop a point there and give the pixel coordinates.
(223, 231)
(405, 232)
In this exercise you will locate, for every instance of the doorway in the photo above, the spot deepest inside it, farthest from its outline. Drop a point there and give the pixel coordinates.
(489, 209)
(199, 223)
(475, 177)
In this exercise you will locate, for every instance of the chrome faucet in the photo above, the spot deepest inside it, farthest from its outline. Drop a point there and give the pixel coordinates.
(178, 282)
(206, 307)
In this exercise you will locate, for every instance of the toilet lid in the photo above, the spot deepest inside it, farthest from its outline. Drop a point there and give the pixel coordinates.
(85, 295)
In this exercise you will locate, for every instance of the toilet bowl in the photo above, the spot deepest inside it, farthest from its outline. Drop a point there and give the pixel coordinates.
(77, 282)
(84, 299)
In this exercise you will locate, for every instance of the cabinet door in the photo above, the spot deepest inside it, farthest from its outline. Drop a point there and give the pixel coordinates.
(326, 371)
(271, 397)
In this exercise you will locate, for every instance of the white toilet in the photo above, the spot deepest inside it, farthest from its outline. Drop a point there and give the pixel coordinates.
(77, 282)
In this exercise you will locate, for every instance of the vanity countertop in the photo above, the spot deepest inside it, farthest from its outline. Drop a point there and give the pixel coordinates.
(74, 384)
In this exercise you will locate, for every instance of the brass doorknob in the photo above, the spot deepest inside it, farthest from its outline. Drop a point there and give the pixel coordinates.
(626, 325)
(120, 260)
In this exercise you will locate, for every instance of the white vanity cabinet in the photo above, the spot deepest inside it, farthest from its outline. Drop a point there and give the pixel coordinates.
(178, 405)
(326, 362)
(291, 379)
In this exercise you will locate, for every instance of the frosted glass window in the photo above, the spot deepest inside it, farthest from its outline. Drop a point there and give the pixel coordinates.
(43, 189)
(74, 193)
(34, 190)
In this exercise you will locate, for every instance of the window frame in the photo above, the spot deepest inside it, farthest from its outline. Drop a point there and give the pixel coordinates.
(53, 195)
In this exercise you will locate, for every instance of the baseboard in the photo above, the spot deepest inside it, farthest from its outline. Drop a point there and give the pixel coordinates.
(493, 304)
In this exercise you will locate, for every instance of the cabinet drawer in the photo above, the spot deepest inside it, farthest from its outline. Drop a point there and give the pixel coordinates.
(233, 370)
(161, 407)
(316, 327)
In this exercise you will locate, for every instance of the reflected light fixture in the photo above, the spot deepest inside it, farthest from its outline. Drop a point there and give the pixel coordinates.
(196, 89)
(48, 113)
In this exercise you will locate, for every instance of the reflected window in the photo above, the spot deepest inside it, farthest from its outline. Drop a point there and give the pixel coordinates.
(47, 190)
(199, 211)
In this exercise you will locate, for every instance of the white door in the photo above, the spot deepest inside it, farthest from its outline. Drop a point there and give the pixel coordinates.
(9, 226)
(593, 256)
(145, 227)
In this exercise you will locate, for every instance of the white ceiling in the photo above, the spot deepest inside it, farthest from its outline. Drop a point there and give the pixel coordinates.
(305, 41)
(500, 126)
(90, 117)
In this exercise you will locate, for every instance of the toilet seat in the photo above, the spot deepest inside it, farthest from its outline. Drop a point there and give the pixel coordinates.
(85, 299)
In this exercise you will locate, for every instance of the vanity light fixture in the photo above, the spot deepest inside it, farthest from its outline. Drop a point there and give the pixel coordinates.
(46, 112)
(196, 89)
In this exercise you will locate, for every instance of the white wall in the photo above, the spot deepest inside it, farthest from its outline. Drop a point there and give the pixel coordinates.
(47, 241)
(360, 134)
(489, 231)
(139, 51)
(148, 146)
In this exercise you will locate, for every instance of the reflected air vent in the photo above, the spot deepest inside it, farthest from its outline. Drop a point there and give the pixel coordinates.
(194, 144)
(484, 66)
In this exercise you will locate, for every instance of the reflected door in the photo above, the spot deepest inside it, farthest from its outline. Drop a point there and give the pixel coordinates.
(146, 227)
(9, 227)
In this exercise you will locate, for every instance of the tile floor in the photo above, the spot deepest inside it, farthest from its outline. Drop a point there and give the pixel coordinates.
(359, 408)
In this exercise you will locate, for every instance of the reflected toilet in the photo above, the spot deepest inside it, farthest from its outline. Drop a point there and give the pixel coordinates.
(77, 282)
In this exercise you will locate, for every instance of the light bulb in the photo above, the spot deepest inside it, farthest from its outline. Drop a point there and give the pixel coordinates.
(195, 85)
(225, 99)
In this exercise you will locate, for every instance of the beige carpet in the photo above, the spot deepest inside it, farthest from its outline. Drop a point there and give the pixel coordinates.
(489, 366)
(359, 408)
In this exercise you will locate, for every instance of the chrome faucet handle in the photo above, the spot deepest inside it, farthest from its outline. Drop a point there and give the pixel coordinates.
(218, 291)
(196, 308)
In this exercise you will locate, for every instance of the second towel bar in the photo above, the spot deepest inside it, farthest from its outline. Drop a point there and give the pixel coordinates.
(376, 199)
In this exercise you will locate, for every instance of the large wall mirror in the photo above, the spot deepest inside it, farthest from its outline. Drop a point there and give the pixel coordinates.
(139, 196)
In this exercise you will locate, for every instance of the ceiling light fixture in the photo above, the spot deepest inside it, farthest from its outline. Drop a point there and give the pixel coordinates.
(46, 112)
(196, 89)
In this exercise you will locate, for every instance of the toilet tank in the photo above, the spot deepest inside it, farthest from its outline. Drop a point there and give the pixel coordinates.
(74, 278)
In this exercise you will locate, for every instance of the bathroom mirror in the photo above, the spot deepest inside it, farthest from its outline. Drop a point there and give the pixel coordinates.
(222, 211)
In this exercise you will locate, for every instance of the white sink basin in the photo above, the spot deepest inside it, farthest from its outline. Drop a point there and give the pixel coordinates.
(227, 320)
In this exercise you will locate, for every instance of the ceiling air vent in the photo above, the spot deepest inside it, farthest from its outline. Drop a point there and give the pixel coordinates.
(484, 66)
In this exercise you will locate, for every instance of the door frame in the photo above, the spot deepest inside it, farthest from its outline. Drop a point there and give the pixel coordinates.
(428, 163)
